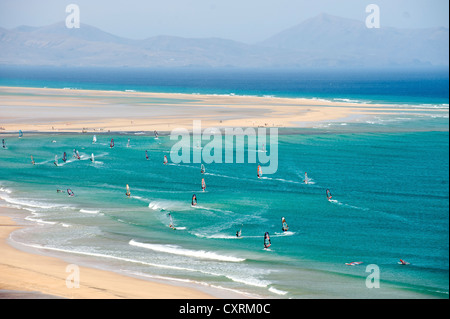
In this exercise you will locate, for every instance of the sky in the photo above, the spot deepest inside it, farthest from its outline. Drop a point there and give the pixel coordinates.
(248, 21)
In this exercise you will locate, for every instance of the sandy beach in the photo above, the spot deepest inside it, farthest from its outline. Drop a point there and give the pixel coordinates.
(69, 110)
(39, 276)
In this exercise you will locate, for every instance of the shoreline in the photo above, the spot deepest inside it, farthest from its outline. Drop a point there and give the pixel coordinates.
(96, 111)
(25, 273)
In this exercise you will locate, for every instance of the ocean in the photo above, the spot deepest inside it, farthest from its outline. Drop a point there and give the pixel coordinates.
(388, 175)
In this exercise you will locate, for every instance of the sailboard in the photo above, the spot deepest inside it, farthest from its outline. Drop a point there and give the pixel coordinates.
(329, 196)
(402, 262)
(306, 178)
(94, 139)
(92, 158)
(156, 134)
(69, 191)
(203, 169)
(284, 225)
(239, 232)
(78, 155)
(165, 160)
(128, 143)
(128, 191)
(267, 242)
(3, 142)
(354, 263)
(259, 171)
(146, 155)
(32, 160)
(194, 200)
(111, 145)
(56, 160)
(171, 222)
(20, 133)
(203, 184)
(64, 157)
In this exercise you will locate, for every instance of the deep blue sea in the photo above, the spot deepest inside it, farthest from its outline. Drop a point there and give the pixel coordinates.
(389, 177)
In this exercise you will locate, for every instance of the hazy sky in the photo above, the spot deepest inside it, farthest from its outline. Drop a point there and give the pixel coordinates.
(248, 21)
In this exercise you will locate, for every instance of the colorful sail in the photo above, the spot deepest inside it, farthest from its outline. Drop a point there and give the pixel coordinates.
(111, 145)
(170, 221)
(306, 178)
(69, 191)
(267, 242)
(64, 157)
(354, 263)
(259, 171)
(329, 194)
(284, 225)
(146, 155)
(78, 155)
(165, 160)
(203, 184)
(128, 191)
(194, 200)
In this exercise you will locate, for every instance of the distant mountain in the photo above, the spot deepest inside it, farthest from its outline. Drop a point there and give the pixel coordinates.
(333, 40)
(323, 41)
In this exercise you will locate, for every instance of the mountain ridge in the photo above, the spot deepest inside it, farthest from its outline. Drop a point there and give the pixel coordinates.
(322, 41)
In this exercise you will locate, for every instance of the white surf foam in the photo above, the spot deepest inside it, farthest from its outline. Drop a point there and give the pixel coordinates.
(177, 250)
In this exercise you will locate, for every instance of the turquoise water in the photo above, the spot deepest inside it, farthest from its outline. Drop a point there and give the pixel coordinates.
(390, 200)
(388, 173)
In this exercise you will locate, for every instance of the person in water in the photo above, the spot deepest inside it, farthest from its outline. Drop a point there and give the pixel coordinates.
(285, 226)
